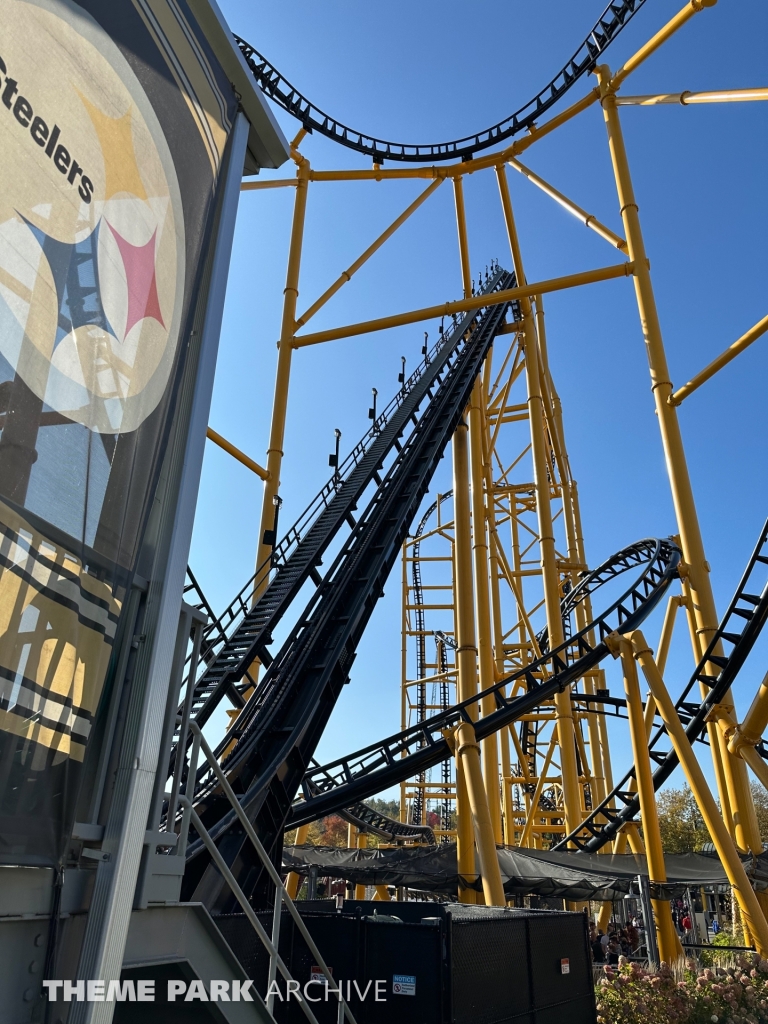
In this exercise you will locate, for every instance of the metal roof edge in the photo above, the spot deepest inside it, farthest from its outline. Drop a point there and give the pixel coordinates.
(267, 146)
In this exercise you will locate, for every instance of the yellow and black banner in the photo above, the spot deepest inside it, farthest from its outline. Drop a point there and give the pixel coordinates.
(114, 122)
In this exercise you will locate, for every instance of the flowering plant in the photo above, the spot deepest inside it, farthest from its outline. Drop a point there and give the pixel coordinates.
(684, 994)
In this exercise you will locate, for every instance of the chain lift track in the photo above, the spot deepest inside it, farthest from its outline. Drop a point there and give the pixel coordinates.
(739, 629)
(243, 631)
(610, 23)
(268, 748)
(380, 765)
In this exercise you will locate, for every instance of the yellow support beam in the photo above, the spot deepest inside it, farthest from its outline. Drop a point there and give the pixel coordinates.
(550, 574)
(230, 449)
(587, 219)
(657, 872)
(710, 812)
(687, 98)
(282, 378)
(465, 305)
(722, 360)
(701, 608)
(346, 275)
(683, 16)
(253, 186)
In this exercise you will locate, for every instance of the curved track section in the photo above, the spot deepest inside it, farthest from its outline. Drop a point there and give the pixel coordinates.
(369, 820)
(337, 785)
(273, 84)
(737, 633)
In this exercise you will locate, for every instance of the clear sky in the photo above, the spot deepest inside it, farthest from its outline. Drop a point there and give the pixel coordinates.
(426, 72)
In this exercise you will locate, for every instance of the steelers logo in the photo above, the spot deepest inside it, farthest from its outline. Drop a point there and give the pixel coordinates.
(91, 225)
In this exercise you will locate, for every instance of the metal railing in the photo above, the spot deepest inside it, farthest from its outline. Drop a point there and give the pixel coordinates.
(276, 962)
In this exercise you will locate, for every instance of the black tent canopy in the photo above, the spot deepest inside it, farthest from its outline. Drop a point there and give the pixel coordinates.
(563, 874)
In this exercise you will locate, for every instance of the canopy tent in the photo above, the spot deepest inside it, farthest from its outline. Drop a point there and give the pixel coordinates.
(567, 875)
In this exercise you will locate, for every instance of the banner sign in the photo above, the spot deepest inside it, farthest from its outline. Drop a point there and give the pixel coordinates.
(114, 121)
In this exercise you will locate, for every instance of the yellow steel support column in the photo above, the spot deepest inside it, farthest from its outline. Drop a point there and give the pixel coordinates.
(657, 872)
(293, 879)
(285, 351)
(489, 746)
(468, 752)
(549, 568)
(467, 748)
(466, 651)
(508, 831)
(724, 844)
(755, 721)
(696, 566)
(362, 844)
(466, 662)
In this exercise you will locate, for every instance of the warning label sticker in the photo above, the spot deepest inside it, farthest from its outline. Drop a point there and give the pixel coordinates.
(404, 985)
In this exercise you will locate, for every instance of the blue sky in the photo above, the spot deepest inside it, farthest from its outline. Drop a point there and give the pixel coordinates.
(423, 72)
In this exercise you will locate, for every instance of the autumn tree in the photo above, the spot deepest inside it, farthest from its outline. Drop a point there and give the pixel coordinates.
(760, 800)
(680, 822)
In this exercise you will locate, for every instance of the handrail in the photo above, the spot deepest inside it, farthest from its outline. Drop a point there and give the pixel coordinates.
(273, 84)
(281, 894)
(241, 603)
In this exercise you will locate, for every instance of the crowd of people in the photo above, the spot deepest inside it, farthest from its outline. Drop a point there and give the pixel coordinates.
(620, 940)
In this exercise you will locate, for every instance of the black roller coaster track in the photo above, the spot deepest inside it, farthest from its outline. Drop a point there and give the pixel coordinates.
(737, 633)
(243, 631)
(376, 767)
(610, 23)
(267, 750)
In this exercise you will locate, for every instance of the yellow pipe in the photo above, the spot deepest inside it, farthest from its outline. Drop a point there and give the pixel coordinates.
(468, 752)
(741, 746)
(347, 274)
(681, 18)
(466, 652)
(586, 218)
(228, 447)
(362, 844)
(549, 567)
(686, 98)
(675, 602)
(461, 227)
(654, 852)
(755, 721)
(285, 351)
(293, 879)
(726, 849)
(696, 567)
(489, 746)
(252, 186)
(540, 782)
(722, 360)
(498, 630)
(465, 305)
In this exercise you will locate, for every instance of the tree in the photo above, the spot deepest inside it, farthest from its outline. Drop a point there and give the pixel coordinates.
(680, 822)
(760, 800)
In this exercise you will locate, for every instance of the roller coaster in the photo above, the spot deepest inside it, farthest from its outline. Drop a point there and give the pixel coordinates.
(529, 686)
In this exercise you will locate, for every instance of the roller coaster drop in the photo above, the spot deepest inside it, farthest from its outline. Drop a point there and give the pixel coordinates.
(510, 686)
